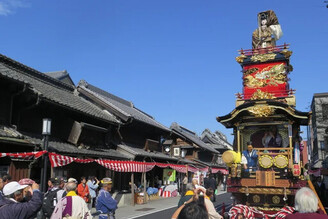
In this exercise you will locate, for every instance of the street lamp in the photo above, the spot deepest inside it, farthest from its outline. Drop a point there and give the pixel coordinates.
(183, 153)
(46, 131)
(46, 126)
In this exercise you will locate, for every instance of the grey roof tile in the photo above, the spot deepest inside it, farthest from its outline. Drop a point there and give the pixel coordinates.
(216, 139)
(191, 136)
(141, 152)
(62, 76)
(123, 106)
(51, 89)
(69, 149)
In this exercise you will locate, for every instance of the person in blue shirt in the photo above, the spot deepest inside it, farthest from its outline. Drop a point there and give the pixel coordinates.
(105, 204)
(251, 156)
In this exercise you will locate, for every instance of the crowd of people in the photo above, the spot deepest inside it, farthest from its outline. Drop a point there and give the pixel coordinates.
(63, 199)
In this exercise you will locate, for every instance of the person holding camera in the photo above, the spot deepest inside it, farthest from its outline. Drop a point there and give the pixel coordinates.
(195, 206)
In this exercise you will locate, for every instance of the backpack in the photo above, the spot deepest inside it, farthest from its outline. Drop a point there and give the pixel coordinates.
(49, 202)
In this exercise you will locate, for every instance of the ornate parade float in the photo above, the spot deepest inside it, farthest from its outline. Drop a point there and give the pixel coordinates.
(265, 118)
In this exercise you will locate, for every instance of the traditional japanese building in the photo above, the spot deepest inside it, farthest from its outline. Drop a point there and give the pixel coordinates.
(318, 130)
(79, 127)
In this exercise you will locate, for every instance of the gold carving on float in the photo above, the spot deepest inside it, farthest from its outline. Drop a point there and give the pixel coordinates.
(250, 71)
(256, 199)
(271, 75)
(263, 57)
(267, 209)
(240, 59)
(286, 53)
(260, 95)
(270, 191)
(261, 110)
(276, 199)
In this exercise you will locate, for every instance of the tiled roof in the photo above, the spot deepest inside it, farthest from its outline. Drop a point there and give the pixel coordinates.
(119, 105)
(61, 147)
(141, 152)
(51, 89)
(62, 76)
(7, 133)
(209, 164)
(69, 149)
(191, 136)
(216, 140)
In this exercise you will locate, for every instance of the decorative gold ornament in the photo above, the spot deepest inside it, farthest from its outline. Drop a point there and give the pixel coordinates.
(286, 53)
(271, 75)
(267, 209)
(280, 161)
(263, 57)
(276, 199)
(266, 161)
(240, 59)
(261, 110)
(260, 95)
(269, 191)
(256, 199)
(251, 71)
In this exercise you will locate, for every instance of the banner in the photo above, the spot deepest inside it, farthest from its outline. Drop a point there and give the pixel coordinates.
(57, 160)
(25, 155)
(168, 175)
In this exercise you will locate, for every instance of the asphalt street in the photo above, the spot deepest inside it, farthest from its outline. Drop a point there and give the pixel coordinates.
(166, 214)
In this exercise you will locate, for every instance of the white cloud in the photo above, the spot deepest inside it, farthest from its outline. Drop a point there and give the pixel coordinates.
(9, 6)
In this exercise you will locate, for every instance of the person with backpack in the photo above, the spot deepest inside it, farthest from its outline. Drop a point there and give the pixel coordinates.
(83, 190)
(72, 205)
(52, 197)
(12, 205)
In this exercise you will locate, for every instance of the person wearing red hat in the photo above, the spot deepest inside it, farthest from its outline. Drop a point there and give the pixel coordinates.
(27, 190)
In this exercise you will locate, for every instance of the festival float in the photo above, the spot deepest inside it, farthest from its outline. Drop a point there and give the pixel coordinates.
(266, 118)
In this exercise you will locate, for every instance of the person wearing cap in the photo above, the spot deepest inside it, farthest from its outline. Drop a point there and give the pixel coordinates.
(13, 207)
(72, 205)
(56, 187)
(27, 190)
(251, 156)
(105, 204)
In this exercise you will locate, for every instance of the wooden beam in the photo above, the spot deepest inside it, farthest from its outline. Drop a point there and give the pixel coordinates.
(132, 189)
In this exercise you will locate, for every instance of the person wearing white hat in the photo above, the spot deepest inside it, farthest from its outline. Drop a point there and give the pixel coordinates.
(13, 207)
(105, 204)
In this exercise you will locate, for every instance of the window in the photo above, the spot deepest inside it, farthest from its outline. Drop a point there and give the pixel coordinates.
(324, 111)
(322, 145)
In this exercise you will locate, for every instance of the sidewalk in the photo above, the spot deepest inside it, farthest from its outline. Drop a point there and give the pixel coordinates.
(130, 212)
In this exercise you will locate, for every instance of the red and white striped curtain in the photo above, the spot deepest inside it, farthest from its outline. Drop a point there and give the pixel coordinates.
(223, 171)
(126, 166)
(192, 169)
(179, 168)
(25, 155)
(163, 165)
(57, 160)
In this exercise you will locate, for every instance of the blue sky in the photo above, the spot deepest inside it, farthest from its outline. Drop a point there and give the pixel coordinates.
(174, 59)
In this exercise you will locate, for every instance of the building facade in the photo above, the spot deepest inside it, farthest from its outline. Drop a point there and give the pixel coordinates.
(317, 130)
